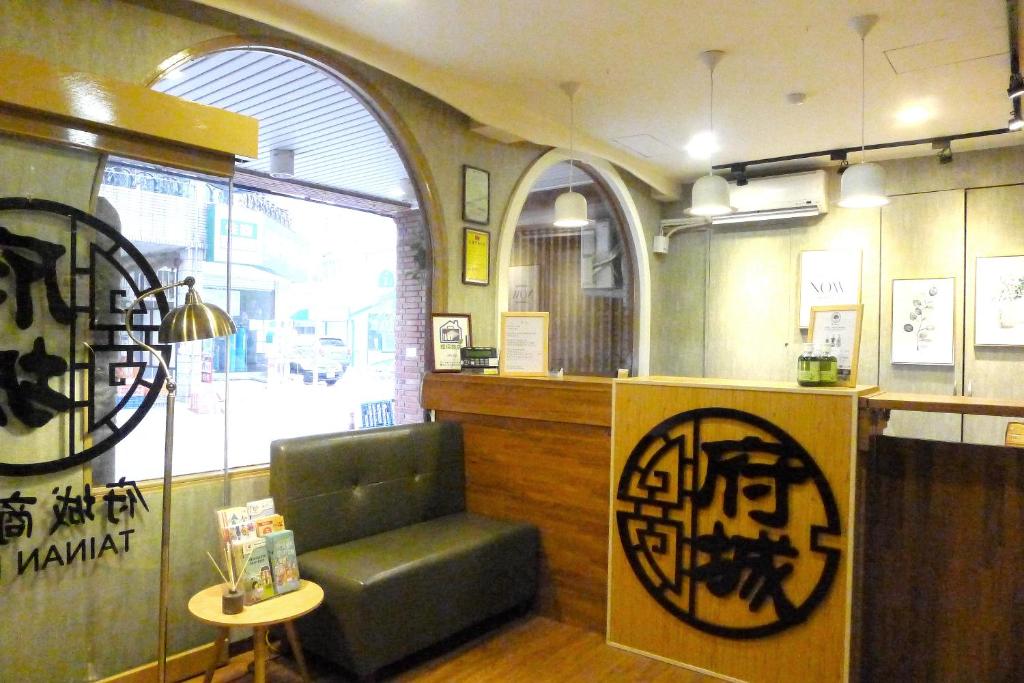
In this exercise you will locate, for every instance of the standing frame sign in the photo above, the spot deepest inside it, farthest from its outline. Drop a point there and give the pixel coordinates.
(524, 345)
(449, 333)
(839, 326)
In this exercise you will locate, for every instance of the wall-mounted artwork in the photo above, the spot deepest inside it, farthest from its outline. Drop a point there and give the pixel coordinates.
(922, 321)
(999, 301)
(828, 278)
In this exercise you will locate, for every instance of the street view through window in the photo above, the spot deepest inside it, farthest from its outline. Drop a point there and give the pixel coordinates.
(311, 288)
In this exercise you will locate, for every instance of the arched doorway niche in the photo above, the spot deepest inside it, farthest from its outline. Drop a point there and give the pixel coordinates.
(616, 187)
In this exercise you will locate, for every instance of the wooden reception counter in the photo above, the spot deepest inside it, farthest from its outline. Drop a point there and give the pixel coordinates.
(756, 530)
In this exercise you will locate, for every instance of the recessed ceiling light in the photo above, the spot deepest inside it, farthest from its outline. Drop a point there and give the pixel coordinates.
(914, 114)
(702, 145)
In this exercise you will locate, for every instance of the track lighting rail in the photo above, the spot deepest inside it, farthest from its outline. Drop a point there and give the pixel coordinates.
(840, 153)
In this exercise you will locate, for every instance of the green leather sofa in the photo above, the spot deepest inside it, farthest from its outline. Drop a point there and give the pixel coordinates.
(380, 523)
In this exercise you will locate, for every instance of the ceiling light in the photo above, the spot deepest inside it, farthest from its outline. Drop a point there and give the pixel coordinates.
(282, 163)
(571, 207)
(914, 114)
(710, 195)
(863, 185)
(1016, 88)
(702, 145)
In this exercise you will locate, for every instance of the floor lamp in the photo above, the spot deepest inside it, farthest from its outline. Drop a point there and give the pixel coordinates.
(191, 321)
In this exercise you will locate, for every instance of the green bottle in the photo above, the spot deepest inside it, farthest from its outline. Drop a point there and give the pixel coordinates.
(808, 373)
(828, 366)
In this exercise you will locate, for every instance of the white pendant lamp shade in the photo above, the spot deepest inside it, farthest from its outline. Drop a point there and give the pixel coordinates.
(571, 210)
(710, 194)
(710, 197)
(863, 186)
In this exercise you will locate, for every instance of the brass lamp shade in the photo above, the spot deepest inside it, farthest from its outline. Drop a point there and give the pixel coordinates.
(195, 320)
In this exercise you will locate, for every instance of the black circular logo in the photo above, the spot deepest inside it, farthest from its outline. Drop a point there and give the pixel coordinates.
(722, 516)
(72, 384)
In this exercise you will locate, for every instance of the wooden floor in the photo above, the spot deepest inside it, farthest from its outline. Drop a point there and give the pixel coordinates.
(532, 649)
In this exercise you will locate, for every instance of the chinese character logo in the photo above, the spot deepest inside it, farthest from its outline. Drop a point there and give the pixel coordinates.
(724, 519)
(65, 363)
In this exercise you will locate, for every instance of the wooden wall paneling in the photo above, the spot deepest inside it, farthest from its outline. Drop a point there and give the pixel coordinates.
(555, 476)
(944, 593)
(994, 228)
(750, 304)
(922, 237)
(537, 450)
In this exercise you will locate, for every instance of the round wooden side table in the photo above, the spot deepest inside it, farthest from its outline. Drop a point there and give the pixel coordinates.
(281, 609)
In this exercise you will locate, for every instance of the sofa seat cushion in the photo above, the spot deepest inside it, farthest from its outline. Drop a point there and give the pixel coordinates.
(396, 592)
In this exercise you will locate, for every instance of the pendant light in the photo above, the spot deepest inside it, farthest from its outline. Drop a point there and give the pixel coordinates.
(863, 186)
(571, 207)
(710, 193)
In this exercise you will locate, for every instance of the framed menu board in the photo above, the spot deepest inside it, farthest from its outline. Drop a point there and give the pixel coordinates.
(524, 344)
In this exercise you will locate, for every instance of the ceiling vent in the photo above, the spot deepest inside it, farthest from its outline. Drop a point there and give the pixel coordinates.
(777, 197)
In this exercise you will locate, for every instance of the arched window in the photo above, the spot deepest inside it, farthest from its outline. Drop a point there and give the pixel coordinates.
(583, 277)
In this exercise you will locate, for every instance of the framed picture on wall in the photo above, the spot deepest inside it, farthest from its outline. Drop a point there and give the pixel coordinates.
(449, 332)
(922, 321)
(476, 195)
(524, 345)
(828, 278)
(839, 327)
(476, 256)
(999, 301)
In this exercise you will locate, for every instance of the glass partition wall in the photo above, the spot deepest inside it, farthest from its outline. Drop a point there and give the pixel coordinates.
(583, 277)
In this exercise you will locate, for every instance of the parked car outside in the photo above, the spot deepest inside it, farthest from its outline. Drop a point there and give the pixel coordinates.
(321, 358)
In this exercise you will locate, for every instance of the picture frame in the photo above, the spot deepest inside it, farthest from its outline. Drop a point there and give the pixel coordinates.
(839, 326)
(999, 301)
(922, 321)
(828, 278)
(524, 344)
(476, 257)
(476, 195)
(449, 333)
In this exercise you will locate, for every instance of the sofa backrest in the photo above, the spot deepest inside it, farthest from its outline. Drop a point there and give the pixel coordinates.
(333, 488)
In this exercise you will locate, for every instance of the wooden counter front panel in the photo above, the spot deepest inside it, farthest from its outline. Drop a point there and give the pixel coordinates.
(814, 650)
(537, 450)
(554, 475)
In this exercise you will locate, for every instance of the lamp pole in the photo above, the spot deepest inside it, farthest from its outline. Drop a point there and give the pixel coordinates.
(192, 321)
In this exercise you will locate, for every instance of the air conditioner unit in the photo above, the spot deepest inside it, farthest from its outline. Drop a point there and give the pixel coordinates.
(777, 197)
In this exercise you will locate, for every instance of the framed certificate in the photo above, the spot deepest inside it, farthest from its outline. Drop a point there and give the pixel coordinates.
(449, 332)
(476, 256)
(476, 195)
(839, 326)
(524, 345)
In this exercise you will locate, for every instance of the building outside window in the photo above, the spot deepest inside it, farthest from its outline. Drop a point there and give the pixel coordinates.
(311, 289)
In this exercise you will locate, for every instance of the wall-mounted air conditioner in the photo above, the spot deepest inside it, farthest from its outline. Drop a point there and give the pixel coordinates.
(777, 197)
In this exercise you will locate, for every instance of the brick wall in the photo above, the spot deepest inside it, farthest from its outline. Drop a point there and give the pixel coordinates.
(411, 284)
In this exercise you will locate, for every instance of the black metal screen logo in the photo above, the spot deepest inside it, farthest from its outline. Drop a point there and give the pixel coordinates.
(65, 276)
(704, 516)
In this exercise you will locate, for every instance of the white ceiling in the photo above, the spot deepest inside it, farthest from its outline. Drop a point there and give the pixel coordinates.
(644, 91)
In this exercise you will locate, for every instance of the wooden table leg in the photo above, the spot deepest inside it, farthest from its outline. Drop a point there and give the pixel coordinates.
(259, 642)
(218, 651)
(293, 642)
